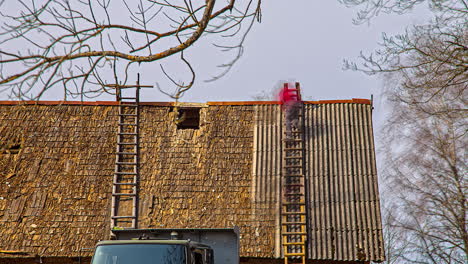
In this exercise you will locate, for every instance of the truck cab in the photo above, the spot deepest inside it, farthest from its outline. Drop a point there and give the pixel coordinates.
(152, 252)
(169, 246)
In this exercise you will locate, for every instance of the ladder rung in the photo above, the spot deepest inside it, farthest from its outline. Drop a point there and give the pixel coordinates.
(293, 166)
(126, 163)
(126, 153)
(293, 243)
(128, 114)
(293, 203)
(126, 143)
(126, 216)
(128, 98)
(133, 134)
(128, 124)
(291, 191)
(293, 149)
(294, 223)
(293, 194)
(125, 183)
(294, 175)
(294, 157)
(125, 104)
(295, 185)
(124, 194)
(293, 213)
(293, 233)
(125, 173)
(294, 254)
(292, 139)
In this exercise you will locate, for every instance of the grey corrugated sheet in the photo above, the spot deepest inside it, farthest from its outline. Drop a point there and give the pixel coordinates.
(267, 165)
(344, 219)
(344, 210)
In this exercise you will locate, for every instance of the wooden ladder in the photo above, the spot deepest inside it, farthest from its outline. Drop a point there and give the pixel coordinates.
(124, 213)
(293, 203)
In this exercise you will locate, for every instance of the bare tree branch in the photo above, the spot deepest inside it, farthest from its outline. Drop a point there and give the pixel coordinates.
(426, 164)
(426, 74)
(429, 60)
(90, 35)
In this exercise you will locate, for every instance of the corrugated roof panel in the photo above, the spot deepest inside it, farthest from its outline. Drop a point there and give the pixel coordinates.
(344, 219)
(267, 165)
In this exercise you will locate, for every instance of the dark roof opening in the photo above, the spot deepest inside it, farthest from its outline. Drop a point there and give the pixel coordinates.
(188, 118)
(12, 149)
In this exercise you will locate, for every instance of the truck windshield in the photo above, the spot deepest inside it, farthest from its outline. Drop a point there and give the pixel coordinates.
(139, 253)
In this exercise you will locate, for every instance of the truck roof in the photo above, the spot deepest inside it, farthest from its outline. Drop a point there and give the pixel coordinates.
(152, 241)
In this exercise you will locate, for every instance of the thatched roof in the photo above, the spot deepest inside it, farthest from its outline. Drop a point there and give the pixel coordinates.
(55, 191)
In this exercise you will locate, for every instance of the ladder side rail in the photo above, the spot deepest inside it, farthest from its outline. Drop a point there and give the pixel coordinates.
(136, 177)
(114, 199)
(305, 181)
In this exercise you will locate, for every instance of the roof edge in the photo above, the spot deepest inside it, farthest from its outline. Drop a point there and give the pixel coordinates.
(344, 101)
(111, 103)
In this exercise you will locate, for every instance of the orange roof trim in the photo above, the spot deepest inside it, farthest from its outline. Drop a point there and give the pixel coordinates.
(95, 103)
(91, 103)
(349, 101)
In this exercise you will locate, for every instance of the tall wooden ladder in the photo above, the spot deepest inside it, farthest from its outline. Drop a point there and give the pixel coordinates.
(124, 213)
(293, 203)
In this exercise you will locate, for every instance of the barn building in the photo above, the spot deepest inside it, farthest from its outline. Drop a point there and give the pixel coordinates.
(219, 167)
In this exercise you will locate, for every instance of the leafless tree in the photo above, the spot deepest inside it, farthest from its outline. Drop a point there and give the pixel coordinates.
(396, 242)
(88, 47)
(427, 171)
(426, 72)
(431, 60)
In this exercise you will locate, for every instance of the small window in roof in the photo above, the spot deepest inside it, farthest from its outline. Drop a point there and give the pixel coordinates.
(188, 118)
(11, 149)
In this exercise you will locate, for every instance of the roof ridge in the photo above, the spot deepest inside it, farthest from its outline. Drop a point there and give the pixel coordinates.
(110, 103)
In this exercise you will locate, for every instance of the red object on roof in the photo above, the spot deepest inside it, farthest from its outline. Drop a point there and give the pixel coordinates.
(288, 94)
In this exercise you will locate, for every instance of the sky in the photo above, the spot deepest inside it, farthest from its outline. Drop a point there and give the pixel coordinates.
(302, 40)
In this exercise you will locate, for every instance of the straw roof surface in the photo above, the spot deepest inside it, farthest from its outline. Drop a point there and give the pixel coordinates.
(55, 189)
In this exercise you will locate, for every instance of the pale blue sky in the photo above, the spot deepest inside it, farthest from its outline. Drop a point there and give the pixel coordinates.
(304, 41)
